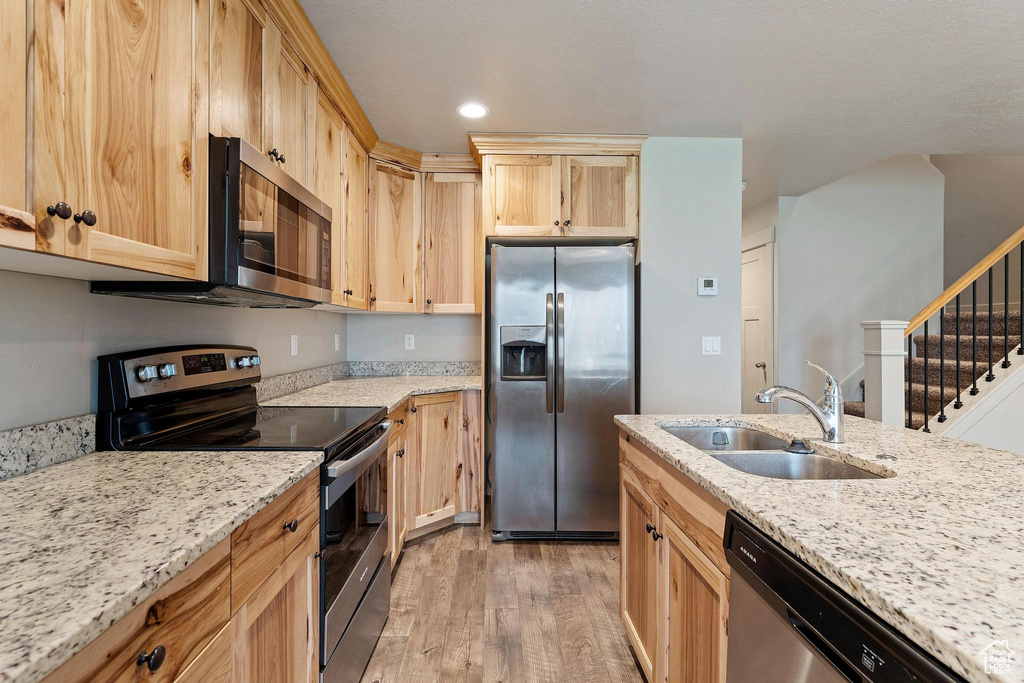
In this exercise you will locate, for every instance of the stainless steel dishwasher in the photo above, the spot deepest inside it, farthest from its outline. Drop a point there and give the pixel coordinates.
(789, 625)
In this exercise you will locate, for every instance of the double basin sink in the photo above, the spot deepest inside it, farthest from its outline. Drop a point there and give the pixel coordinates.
(764, 455)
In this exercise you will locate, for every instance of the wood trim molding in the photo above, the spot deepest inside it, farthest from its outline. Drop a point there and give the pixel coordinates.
(396, 154)
(423, 162)
(553, 143)
(295, 25)
(17, 228)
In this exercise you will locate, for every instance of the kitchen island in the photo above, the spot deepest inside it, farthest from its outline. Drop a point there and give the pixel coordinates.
(934, 547)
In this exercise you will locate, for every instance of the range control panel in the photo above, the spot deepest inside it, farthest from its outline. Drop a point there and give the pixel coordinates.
(184, 368)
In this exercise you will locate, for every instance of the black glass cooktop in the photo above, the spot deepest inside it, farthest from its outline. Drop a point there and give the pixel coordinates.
(279, 428)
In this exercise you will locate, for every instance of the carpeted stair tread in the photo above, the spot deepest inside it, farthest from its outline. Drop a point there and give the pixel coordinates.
(998, 325)
(966, 350)
(856, 409)
(917, 366)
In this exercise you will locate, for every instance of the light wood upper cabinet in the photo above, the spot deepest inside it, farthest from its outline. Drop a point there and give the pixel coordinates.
(521, 195)
(639, 573)
(453, 256)
(395, 242)
(13, 105)
(327, 185)
(431, 475)
(355, 240)
(275, 633)
(289, 107)
(120, 126)
(238, 35)
(695, 603)
(600, 195)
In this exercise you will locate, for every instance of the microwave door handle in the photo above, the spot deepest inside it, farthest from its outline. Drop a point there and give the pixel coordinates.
(549, 356)
(339, 467)
(560, 345)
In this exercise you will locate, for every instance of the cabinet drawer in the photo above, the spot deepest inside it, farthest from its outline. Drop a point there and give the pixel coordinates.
(400, 415)
(213, 663)
(182, 618)
(262, 543)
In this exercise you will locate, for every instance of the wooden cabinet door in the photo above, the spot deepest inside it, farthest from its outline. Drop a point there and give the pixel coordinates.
(434, 435)
(237, 42)
(289, 107)
(521, 195)
(136, 141)
(453, 261)
(639, 572)
(694, 611)
(275, 633)
(397, 524)
(14, 106)
(355, 240)
(600, 195)
(395, 250)
(213, 663)
(327, 185)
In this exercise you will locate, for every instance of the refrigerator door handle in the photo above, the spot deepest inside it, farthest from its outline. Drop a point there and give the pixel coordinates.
(549, 332)
(560, 350)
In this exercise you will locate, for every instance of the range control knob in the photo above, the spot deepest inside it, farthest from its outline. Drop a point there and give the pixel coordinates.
(255, 360)
(145, 373)
(243, 362)
(167, 370)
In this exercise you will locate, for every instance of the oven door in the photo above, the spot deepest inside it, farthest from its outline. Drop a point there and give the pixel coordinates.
(354, 539)
(282, 236)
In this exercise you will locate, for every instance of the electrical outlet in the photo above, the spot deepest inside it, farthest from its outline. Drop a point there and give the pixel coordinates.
(337, 342)
(295, 344)
(410, 342)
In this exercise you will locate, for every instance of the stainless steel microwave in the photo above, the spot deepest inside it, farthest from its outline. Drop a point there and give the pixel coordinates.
(269, 238)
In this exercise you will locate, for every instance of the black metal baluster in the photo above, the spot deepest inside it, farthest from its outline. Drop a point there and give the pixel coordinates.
(910, 377)
(942, 365)
(991, 354)
(926, 377)
(974, 338)
(957, 403)
(1006, 311)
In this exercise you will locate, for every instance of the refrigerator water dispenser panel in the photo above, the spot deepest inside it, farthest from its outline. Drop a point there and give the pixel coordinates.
(523, 353)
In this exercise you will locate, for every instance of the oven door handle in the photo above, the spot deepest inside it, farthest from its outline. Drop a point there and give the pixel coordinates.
(341, 474)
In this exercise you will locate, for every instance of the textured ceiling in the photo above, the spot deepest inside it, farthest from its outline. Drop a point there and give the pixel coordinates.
(816, 88)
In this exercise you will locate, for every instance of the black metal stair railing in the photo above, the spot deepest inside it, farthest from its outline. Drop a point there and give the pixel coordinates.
(927, 352)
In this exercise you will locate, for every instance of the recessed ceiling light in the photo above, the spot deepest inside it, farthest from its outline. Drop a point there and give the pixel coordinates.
(473, 110)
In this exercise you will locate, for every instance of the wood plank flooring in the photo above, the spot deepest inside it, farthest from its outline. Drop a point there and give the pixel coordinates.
(469, 610)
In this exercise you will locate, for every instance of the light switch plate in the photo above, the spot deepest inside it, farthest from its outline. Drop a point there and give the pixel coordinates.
(337, 342)
(711, 346)
(295, 344)
(410, 342)
(707, 286)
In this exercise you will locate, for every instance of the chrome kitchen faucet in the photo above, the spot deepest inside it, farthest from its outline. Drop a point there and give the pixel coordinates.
(829, 415)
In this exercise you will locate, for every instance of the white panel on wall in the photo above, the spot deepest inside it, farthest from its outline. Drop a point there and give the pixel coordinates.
(52, 330)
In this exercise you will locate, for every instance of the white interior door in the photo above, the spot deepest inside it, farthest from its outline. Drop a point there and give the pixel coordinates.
(757, 357)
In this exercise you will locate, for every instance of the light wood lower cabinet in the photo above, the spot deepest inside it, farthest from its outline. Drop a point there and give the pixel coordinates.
(275, 632)
(674, 599)
(397, 518)
(213, 664)
(434, 453)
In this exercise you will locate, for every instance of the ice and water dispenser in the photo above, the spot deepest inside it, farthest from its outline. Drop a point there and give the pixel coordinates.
(523, 352)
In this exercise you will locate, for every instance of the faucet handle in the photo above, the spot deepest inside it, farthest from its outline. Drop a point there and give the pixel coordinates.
(831, 385)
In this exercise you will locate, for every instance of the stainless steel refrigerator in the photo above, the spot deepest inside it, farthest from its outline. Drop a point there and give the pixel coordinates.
(561, 333)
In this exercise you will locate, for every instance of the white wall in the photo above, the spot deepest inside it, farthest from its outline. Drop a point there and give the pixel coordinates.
(438, 337)
(764, 215)
(52, 330)
(865, 247)
(691, 215)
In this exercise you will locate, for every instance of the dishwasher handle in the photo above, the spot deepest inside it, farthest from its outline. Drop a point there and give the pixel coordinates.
(822, 647)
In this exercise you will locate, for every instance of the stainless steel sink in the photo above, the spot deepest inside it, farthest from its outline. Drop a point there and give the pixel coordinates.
(754, 452)
(727, 438)
(785, 465)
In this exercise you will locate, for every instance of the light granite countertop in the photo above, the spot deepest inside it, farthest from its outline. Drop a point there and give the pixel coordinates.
(83, 542)
(937, 550)
(389, 392)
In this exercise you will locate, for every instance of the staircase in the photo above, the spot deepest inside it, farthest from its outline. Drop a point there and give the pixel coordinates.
(944, 372)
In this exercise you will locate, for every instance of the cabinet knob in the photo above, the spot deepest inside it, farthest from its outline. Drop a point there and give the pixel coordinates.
(429, 302)
(153, 660)
(653, 532)
(566, 223)
(413, 409)
(87, 217)
(292, 525)
(60, 210)
(273, 154)
(348, 291)
(373, 298)
(401, 420)
(400, 454)
(556, 222)
(281, 158)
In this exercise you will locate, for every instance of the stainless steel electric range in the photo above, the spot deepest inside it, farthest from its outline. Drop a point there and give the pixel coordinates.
(204, 398)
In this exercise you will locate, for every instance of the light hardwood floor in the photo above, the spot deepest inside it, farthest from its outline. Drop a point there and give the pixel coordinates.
(466, 609)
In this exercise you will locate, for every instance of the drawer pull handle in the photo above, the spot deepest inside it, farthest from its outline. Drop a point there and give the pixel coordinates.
(153, 660)
(401, 420)
(292, 525)
(400, 454)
